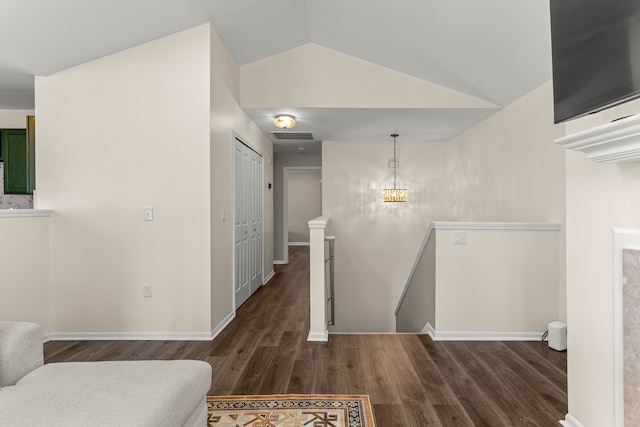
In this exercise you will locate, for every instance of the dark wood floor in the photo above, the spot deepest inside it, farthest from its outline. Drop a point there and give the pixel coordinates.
(411, 380)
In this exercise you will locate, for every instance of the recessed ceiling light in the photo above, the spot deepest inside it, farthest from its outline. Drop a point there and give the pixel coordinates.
(284, 121)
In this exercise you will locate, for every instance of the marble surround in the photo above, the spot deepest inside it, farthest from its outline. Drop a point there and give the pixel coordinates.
(13, 201)
(630, 335)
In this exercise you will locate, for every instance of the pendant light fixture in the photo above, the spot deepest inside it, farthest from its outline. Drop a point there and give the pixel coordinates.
(395, 194)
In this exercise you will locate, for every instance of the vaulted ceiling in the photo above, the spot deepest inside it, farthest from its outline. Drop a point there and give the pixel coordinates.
(493, 51)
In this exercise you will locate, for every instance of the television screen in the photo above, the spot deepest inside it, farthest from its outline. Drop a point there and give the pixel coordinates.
(596, 55)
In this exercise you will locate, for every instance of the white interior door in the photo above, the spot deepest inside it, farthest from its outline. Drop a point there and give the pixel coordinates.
(255, 222)
(247, 221)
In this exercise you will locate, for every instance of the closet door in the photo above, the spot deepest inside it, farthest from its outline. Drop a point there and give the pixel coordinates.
(255, 221)
(247, 221)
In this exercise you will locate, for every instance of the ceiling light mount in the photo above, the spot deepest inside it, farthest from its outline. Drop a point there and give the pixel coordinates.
(284, 121)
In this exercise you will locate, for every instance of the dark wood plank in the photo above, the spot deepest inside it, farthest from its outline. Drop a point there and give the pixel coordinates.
(411, 380)
(468, 393)
(453, 416)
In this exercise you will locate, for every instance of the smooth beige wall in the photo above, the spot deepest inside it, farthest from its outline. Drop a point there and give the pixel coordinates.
(419, 303)
(228, 120)
(600, 197)
(115, 135)
(506, 168)
(304, 203)
(24, 270)
(14, 119)
(320, 77)
(376, 242)
(499, 281)
(280, 161)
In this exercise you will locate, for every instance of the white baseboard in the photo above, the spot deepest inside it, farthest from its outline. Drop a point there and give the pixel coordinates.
(128, 336)
(220, 327)
(299, 244)
(479, 335)
(269, 277)
(318, 336)
(140, 336)
(570, 421)
(428, 330)
(279, 261)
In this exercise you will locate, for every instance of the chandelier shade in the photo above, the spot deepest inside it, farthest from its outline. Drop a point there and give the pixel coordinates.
(394, 194)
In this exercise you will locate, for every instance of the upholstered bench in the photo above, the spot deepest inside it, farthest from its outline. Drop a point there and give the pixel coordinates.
(128, 393)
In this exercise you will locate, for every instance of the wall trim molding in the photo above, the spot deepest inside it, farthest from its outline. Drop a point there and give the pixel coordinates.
(428, 330)
(299, 244)
(128, 336)
(269, 276)
(279, 261)
(137, 336)
(22, 213)
(613, 142)
(570, 421)
(223, 324)
(480, 335)
(552, 226)
(318, 336)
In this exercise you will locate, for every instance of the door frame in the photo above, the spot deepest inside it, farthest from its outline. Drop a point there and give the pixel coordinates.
(235, 137)
(285, 203)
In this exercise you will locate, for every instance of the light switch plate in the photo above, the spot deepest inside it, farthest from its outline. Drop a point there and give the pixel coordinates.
(459, 237)
(148, 213)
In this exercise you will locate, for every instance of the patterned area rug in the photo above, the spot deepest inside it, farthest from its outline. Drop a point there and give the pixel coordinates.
(291, 410)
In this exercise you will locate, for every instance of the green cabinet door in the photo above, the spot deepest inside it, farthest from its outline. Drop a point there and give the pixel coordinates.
(16, 161)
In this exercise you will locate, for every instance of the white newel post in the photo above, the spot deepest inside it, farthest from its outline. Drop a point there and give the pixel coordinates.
(317, 310)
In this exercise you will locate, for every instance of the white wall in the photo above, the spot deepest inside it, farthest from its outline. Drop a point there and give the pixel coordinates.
(499, 281)
(304, 203)
(24, 270)
(377, 242)
(280, 161)
(418, 307)
(600, 197)
(226, 117)
(320, 77)
(14, 119)
(149, 126)
(504, 169)
(461, 292)
(115, 135)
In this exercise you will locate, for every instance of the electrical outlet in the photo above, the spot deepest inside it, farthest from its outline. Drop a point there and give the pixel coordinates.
(146, 290)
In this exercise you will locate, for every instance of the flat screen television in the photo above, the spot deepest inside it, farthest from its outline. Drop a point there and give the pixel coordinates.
(596, 55)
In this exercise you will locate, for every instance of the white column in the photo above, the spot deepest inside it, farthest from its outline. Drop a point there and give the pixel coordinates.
(317, 310)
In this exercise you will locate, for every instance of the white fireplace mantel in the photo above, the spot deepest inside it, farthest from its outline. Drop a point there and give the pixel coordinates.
(614, 142)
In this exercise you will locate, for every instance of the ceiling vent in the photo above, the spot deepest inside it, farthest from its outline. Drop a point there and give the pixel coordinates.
(307, 136)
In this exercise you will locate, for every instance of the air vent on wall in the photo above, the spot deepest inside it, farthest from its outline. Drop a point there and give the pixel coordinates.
(307, 136)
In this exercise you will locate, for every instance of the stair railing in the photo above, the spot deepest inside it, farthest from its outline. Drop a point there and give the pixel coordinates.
(330, 260)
